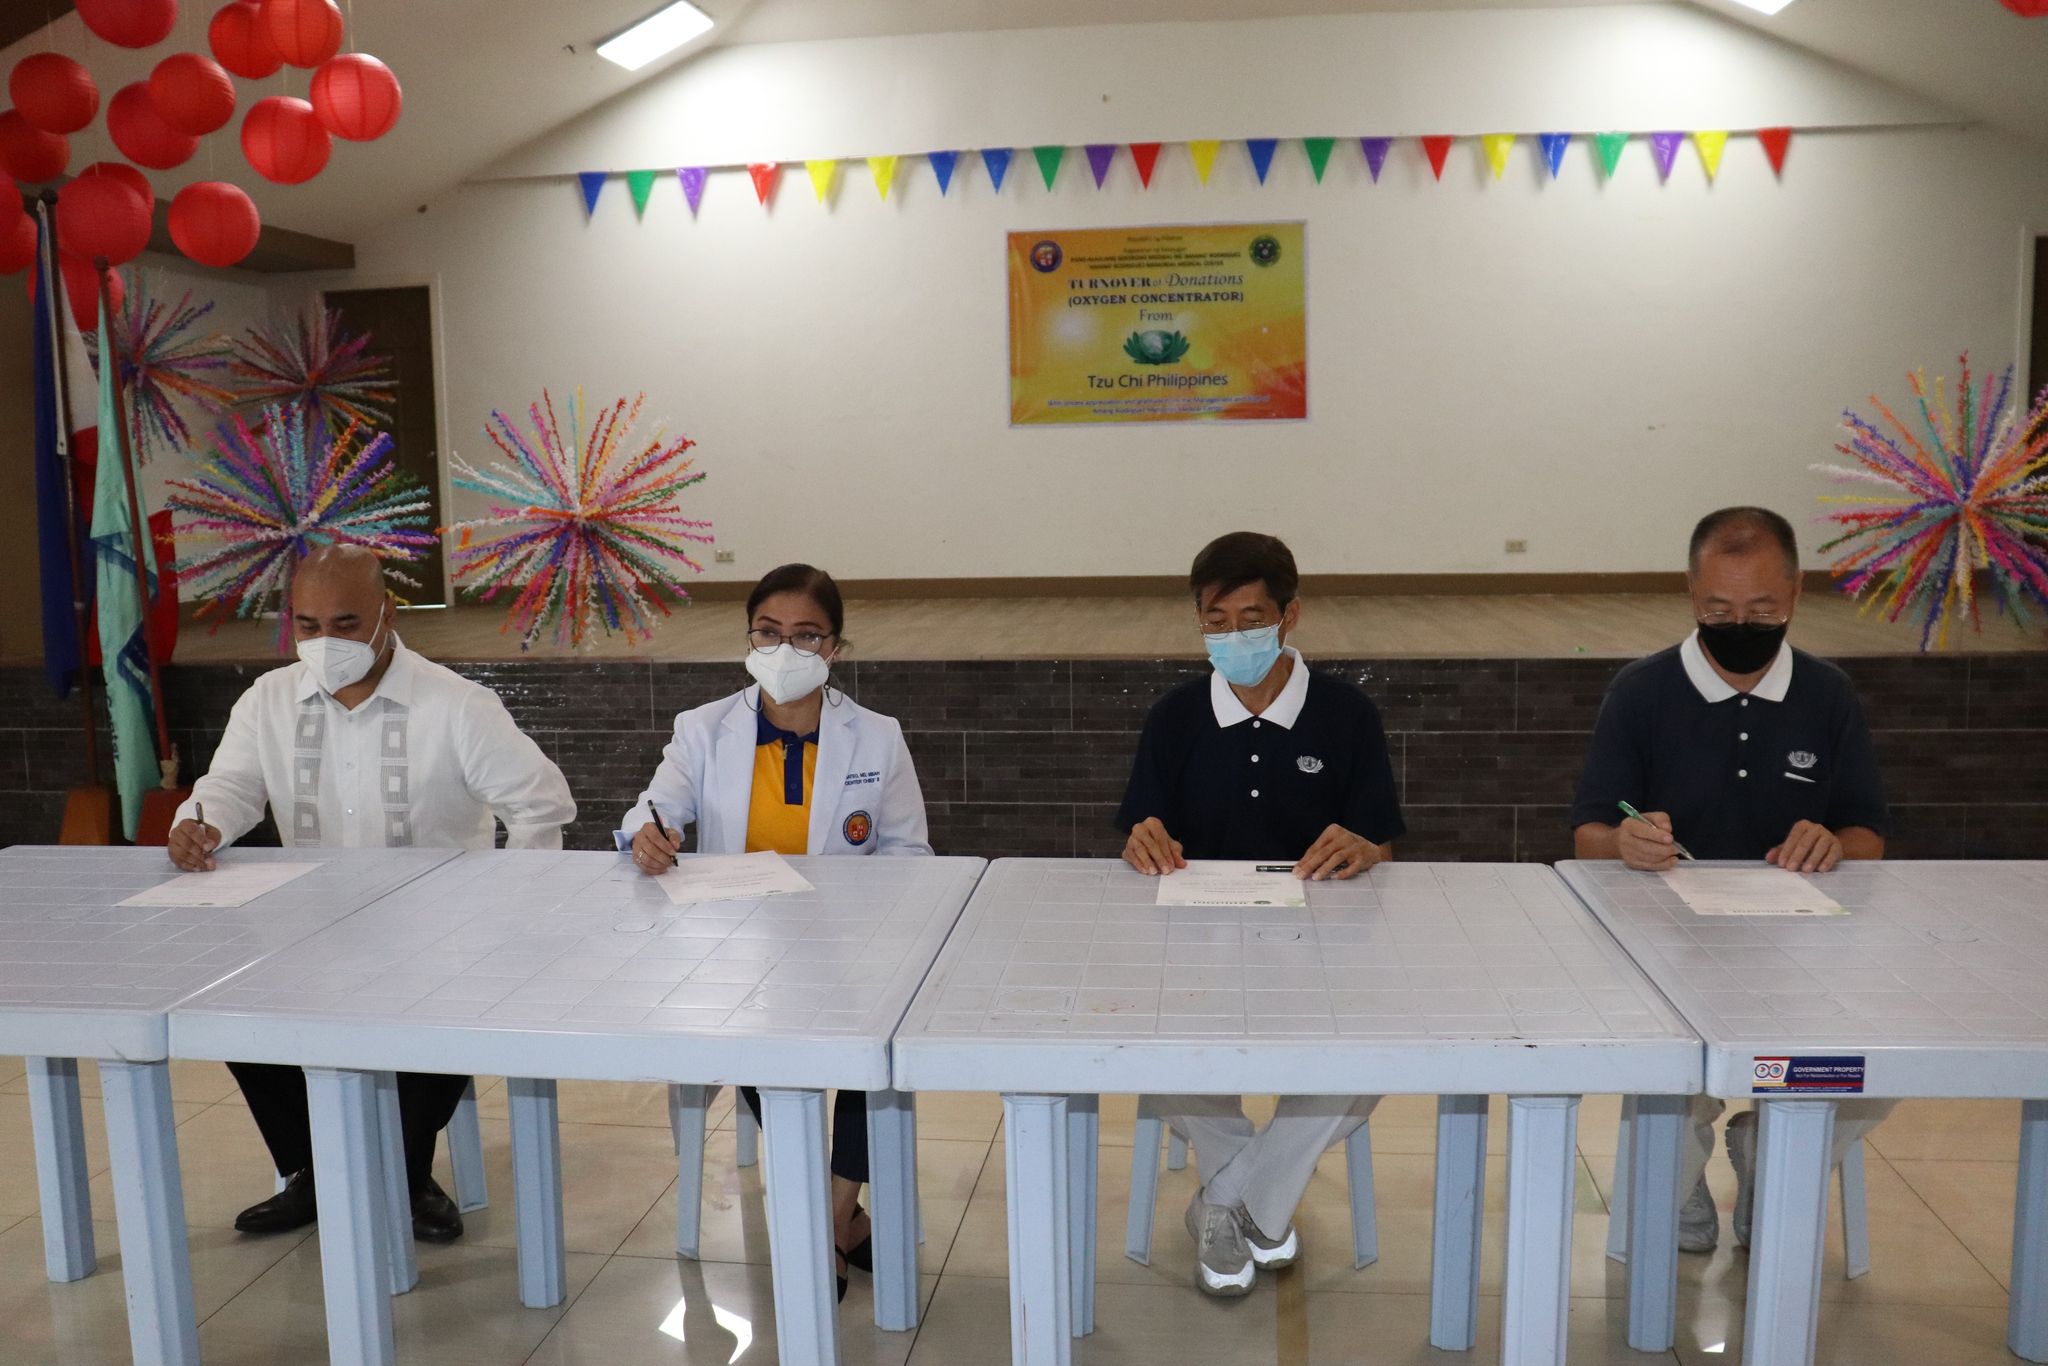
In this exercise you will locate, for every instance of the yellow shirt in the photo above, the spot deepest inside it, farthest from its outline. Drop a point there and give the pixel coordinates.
(779, 811)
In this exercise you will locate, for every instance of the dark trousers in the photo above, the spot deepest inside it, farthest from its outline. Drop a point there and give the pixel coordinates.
(849, 1131)
(277, 1102)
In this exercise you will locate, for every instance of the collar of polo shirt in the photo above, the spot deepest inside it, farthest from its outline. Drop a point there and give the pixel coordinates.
(1772, 687)
(396, 683)
(1286, 707)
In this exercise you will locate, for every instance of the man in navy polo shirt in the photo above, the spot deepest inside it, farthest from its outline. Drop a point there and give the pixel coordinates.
(1262, 760)
(1739, 747)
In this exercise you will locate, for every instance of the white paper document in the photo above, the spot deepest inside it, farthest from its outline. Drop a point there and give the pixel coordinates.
(1749, 891)
(1218, 882)
(730, 877)
(231, 884)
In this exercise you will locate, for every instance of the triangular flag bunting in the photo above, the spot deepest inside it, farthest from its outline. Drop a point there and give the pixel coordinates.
(593, 185)
(942, 167)
(1497, 145)
(1664, 147)
(1048, 162)
(821, 173)
(997, 159)
(1262, 154)
(1203, 153)
(883, 169)
(693, 185)
(641, 183)
(1318, 150)
(1145, 155)
(1776, 141)
(1375, 150)
(1553, 145)
(1437, 147)
(1711, 143)
(764, 174)
(1609, 146)
(1100, 154)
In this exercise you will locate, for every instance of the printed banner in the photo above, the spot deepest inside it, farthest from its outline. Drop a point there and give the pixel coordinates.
(1158, 324)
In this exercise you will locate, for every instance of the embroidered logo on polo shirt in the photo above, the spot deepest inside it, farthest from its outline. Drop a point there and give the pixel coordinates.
(1308, 763)
(859, 826)
(1800, 758)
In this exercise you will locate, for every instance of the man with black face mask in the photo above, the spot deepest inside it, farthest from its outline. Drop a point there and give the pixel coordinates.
(1739, 747)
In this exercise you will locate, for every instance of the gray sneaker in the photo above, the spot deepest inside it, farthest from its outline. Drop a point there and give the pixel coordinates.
(1268, 1254)
(1742, 1156)
(1223, 1262)
(1699, 1223)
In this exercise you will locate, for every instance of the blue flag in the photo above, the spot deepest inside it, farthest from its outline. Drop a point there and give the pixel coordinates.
(55, 518)
(997, 159)
(942, 167)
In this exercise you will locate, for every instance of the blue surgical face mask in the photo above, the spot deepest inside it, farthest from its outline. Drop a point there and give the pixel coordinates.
(1244, 657)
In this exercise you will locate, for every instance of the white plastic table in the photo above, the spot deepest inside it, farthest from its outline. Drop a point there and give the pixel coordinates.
(1935, 984)
(82, 977)
(1064, 979)
(540, 966)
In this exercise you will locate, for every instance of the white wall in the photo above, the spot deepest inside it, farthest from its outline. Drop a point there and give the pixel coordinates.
(1588, 366)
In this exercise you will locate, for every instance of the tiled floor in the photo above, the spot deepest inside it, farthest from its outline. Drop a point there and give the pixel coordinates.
(1940, 1182)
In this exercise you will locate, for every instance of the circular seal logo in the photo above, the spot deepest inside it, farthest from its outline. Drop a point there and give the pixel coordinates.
(859, 826)
(1046, 256)
(1265, 249)
(1770, 1071)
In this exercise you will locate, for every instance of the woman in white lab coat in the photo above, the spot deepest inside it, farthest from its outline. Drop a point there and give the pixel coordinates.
(790, 764)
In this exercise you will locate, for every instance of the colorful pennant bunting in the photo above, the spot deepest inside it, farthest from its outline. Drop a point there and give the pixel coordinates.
(883, 169)
(822, 173)
(1100, 154)
(1318, 150)
(1375, 150)
(641, 184)
(693, 185)
(593, 185)
(1609, 147)
(1049, 158)
(1776, 141)
(1711, 143)
(1664, 147)
(764, 175)
(942, 167)
(1497, 146)
(997, 159)
(1554, 145)
(1261, 150)
(1437, 148)
(1203, 153)
(1145, 155)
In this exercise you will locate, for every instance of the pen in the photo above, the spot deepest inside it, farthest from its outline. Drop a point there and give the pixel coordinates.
(655, 811)
(1636, 815)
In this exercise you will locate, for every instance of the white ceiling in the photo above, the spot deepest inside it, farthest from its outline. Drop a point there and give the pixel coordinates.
(483, 77)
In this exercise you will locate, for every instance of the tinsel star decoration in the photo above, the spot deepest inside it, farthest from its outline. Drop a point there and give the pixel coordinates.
(310, 366)
(164, 360)
(1959, 508)
(267, 497)
(584, 534)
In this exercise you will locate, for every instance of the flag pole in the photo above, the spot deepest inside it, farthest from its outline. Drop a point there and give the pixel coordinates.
(52, 281)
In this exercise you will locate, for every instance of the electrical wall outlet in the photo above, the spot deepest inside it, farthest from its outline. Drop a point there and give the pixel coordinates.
(1518, 547)
(722, 557)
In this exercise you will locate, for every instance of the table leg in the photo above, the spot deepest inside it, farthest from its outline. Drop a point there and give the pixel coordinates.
(800, 1227)
(1656, 1157)
(354, 1224)
(892, 1197)
(1790, 1231)
(1460, 1216)
(466, 1154)
(537, 1191)
(1035, 1185)
(2026, 1330)
(1542, 1180)
(686, 1104)
(1084, 1131)
(61, 1178)
(1617, 1203)
(149, 1203)
(404, 1263)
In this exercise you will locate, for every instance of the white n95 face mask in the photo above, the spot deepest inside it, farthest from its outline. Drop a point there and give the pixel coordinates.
(336, 663)
(786, 675)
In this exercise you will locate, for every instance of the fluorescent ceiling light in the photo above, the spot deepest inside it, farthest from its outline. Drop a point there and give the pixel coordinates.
(659, 34)
(1760, 6)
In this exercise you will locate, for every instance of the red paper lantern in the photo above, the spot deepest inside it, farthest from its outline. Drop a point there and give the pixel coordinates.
(284, 140)
(28, 153)
(304, 32)
(130, 23)
(53, 92)
(17, 237)
(141, 133)
(240, 38)
(192, 94)
(127, 175)
(214, 223)
(356, 97)
(101, 216)
(82, 288)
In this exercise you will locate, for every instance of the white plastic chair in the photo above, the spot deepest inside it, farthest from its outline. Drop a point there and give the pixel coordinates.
(1144, 1206)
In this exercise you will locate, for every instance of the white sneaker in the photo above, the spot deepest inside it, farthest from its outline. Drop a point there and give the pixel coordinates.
(1268, 1254)
(1699, 1223)
(1223, 1263)
(1741, 1139)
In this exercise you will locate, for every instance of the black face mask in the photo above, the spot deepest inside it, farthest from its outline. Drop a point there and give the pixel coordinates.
(1741, 647)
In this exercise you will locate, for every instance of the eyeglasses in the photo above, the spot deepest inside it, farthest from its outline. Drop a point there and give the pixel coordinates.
(806, 643)
(1762, 621)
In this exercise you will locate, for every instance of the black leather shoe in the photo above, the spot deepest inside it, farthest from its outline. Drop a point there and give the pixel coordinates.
(293, 1207)
(434, 1216)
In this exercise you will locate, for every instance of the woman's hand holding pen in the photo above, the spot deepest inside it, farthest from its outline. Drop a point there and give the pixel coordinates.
(655, 848)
